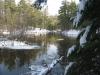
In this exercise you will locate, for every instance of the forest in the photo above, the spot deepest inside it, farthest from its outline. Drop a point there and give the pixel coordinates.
(57, 54)
(24, 15)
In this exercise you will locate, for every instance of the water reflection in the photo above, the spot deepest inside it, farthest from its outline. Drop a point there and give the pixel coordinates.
(63, 47)
(14, 59)
(13, 62)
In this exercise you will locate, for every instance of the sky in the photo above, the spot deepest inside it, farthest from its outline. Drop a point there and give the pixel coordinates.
(54, 5)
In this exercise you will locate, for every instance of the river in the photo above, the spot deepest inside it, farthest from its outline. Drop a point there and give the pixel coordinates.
(29, 62)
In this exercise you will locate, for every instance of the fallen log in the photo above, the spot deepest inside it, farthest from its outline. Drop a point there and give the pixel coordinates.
(50, 67)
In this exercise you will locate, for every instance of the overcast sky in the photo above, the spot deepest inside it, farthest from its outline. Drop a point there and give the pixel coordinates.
(53, 5)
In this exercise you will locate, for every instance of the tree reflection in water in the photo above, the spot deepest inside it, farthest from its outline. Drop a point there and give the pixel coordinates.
(16, 59)
(63, 47)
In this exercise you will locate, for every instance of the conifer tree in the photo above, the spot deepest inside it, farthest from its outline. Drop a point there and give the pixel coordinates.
(67, 10)
(85, 55)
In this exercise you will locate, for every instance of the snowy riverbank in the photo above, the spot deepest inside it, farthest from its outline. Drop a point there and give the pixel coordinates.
(37, 31)
(70, 33)
(18, 45)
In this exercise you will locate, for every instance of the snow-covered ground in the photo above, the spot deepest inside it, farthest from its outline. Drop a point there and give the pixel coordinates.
(37, 31)
(9, 44)
(5, 32)
(71, 33)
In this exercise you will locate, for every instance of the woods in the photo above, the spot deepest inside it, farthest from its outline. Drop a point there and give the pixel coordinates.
(83, 57)
(66, 12)
(85, 54)
(23, 15)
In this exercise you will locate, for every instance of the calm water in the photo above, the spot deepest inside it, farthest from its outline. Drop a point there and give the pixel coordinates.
(18, 62)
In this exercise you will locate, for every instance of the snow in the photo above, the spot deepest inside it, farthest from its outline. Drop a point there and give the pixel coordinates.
(6, 32)
(2, 38)
(53, 63)
(82, 4)
(70, 50)
(10, 44)
(40, 70)
(81, 7)
(82, 30)
(67, 67)
(37, 68)
(77, 18)
(60, 39)
(37, 31)
(71, 33)
(43, 72)
(83, 38)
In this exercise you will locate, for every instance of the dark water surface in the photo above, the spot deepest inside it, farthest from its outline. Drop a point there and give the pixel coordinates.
(20, 62)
